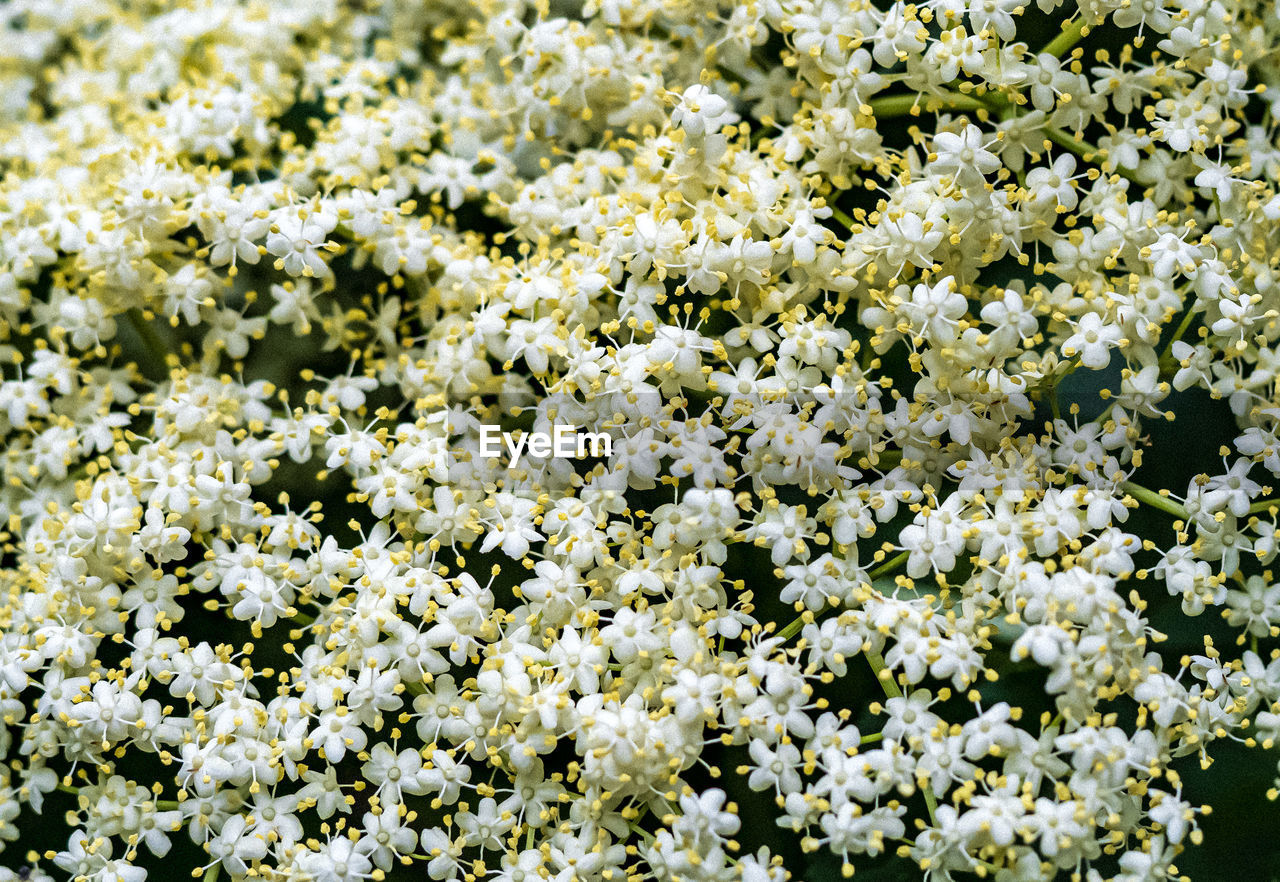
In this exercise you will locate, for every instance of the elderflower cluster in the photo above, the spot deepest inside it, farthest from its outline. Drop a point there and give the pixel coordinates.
(880, 305)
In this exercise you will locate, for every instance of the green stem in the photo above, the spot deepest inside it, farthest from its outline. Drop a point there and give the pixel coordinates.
(901, 105)
(1264, 505)
(214, 871)
(1063, 43)
(888, 458)
(155, 346)
(794, 626)
(887, 683)
(844, 219)
(890, 565)
(792, 629)
(1102, 417)
(890, 686)
(1153, 499)
(1083, 149)
(162, 805)
(1181, 329)
(878, 667)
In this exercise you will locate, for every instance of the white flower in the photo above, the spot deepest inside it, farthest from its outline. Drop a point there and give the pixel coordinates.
(882, 310)
(702, 112)
(1092, 341)
(964, 154)
(297, 238)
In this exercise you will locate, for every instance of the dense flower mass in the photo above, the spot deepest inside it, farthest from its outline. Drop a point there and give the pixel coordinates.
(880, 305)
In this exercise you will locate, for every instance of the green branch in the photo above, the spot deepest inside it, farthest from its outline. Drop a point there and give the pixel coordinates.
(1083, 149)
(1153, 499)
(1181, 329)
(1264, 505)
(150, 339)
(1064, 42)
(908, 105)
(890, 686)
(793, 627)
(844, 219)
(890, 106)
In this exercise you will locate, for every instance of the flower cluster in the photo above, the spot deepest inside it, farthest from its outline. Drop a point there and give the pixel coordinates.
(840, 279)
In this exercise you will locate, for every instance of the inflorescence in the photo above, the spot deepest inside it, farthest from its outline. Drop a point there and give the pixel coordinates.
(824, 270)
